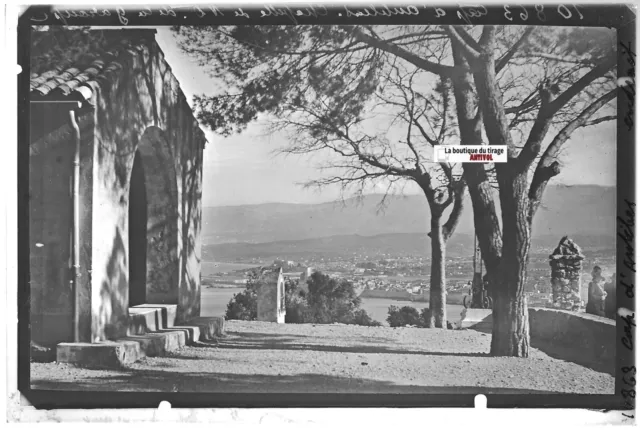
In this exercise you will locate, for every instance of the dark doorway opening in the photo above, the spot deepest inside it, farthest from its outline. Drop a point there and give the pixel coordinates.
(137, 234)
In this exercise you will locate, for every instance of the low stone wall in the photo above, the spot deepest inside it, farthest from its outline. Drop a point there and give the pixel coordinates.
(588, 338)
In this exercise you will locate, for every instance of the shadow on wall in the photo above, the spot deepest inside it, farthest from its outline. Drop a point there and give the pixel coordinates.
(132, 113)
(191, 227)
(114, 292)
(162, 264)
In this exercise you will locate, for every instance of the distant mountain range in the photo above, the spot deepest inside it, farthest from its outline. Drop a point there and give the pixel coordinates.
(579, 210)
(395, 244)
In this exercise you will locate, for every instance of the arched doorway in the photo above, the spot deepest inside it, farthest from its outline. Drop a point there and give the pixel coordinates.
(154, 258)
(137, 234)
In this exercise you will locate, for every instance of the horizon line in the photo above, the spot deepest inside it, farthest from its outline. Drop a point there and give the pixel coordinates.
(339, 200)
(460, 233)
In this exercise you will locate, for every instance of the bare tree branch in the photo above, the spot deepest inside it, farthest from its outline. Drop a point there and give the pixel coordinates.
(487, 40)
(595, 73)
(550, 107)
(470, 47)
(426, 65)
(504, 60)
(600, 120)
(458, 189)
(559, 58)
(548, 165)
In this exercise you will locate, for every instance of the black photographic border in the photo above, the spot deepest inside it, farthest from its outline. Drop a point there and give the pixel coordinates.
(621, 17)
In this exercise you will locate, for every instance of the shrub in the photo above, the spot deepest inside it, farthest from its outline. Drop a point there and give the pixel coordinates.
(425, 315)
(244, 305)
(361, 317)
(407, 315)
(329, 301)
(296, 304)
(297, 310)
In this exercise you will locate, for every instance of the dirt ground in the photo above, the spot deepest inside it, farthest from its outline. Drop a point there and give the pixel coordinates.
(258, 357)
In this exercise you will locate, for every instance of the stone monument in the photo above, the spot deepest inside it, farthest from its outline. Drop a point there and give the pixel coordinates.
(271, 297)
(566, 275)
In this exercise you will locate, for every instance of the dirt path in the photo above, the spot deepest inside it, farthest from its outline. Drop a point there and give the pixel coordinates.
(266, 357)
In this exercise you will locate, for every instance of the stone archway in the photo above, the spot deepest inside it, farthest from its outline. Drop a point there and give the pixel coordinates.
(153, 210)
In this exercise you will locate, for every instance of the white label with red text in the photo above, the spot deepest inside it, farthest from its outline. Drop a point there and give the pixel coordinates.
(470, 154)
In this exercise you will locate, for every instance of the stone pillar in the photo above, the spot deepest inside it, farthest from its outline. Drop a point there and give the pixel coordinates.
(271, 297)
(566, 275)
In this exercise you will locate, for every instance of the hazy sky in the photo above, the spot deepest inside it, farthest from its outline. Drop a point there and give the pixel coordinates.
(242, 169)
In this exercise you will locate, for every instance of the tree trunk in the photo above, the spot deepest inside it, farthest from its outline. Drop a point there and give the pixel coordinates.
(437, 289)
(510, 335)
(485, 218)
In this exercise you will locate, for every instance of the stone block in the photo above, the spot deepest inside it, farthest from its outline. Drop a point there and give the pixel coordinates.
(191, 333)
(173, 340)
(143, 321)
(150, 318)
(209, 327)
(159, 343)
(99, 355)
(115, 354)
(150, 345)
(165, 314)
(42, 354)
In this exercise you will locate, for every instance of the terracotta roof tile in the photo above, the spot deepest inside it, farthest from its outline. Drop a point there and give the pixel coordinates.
(90, 73)
(65, 78)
